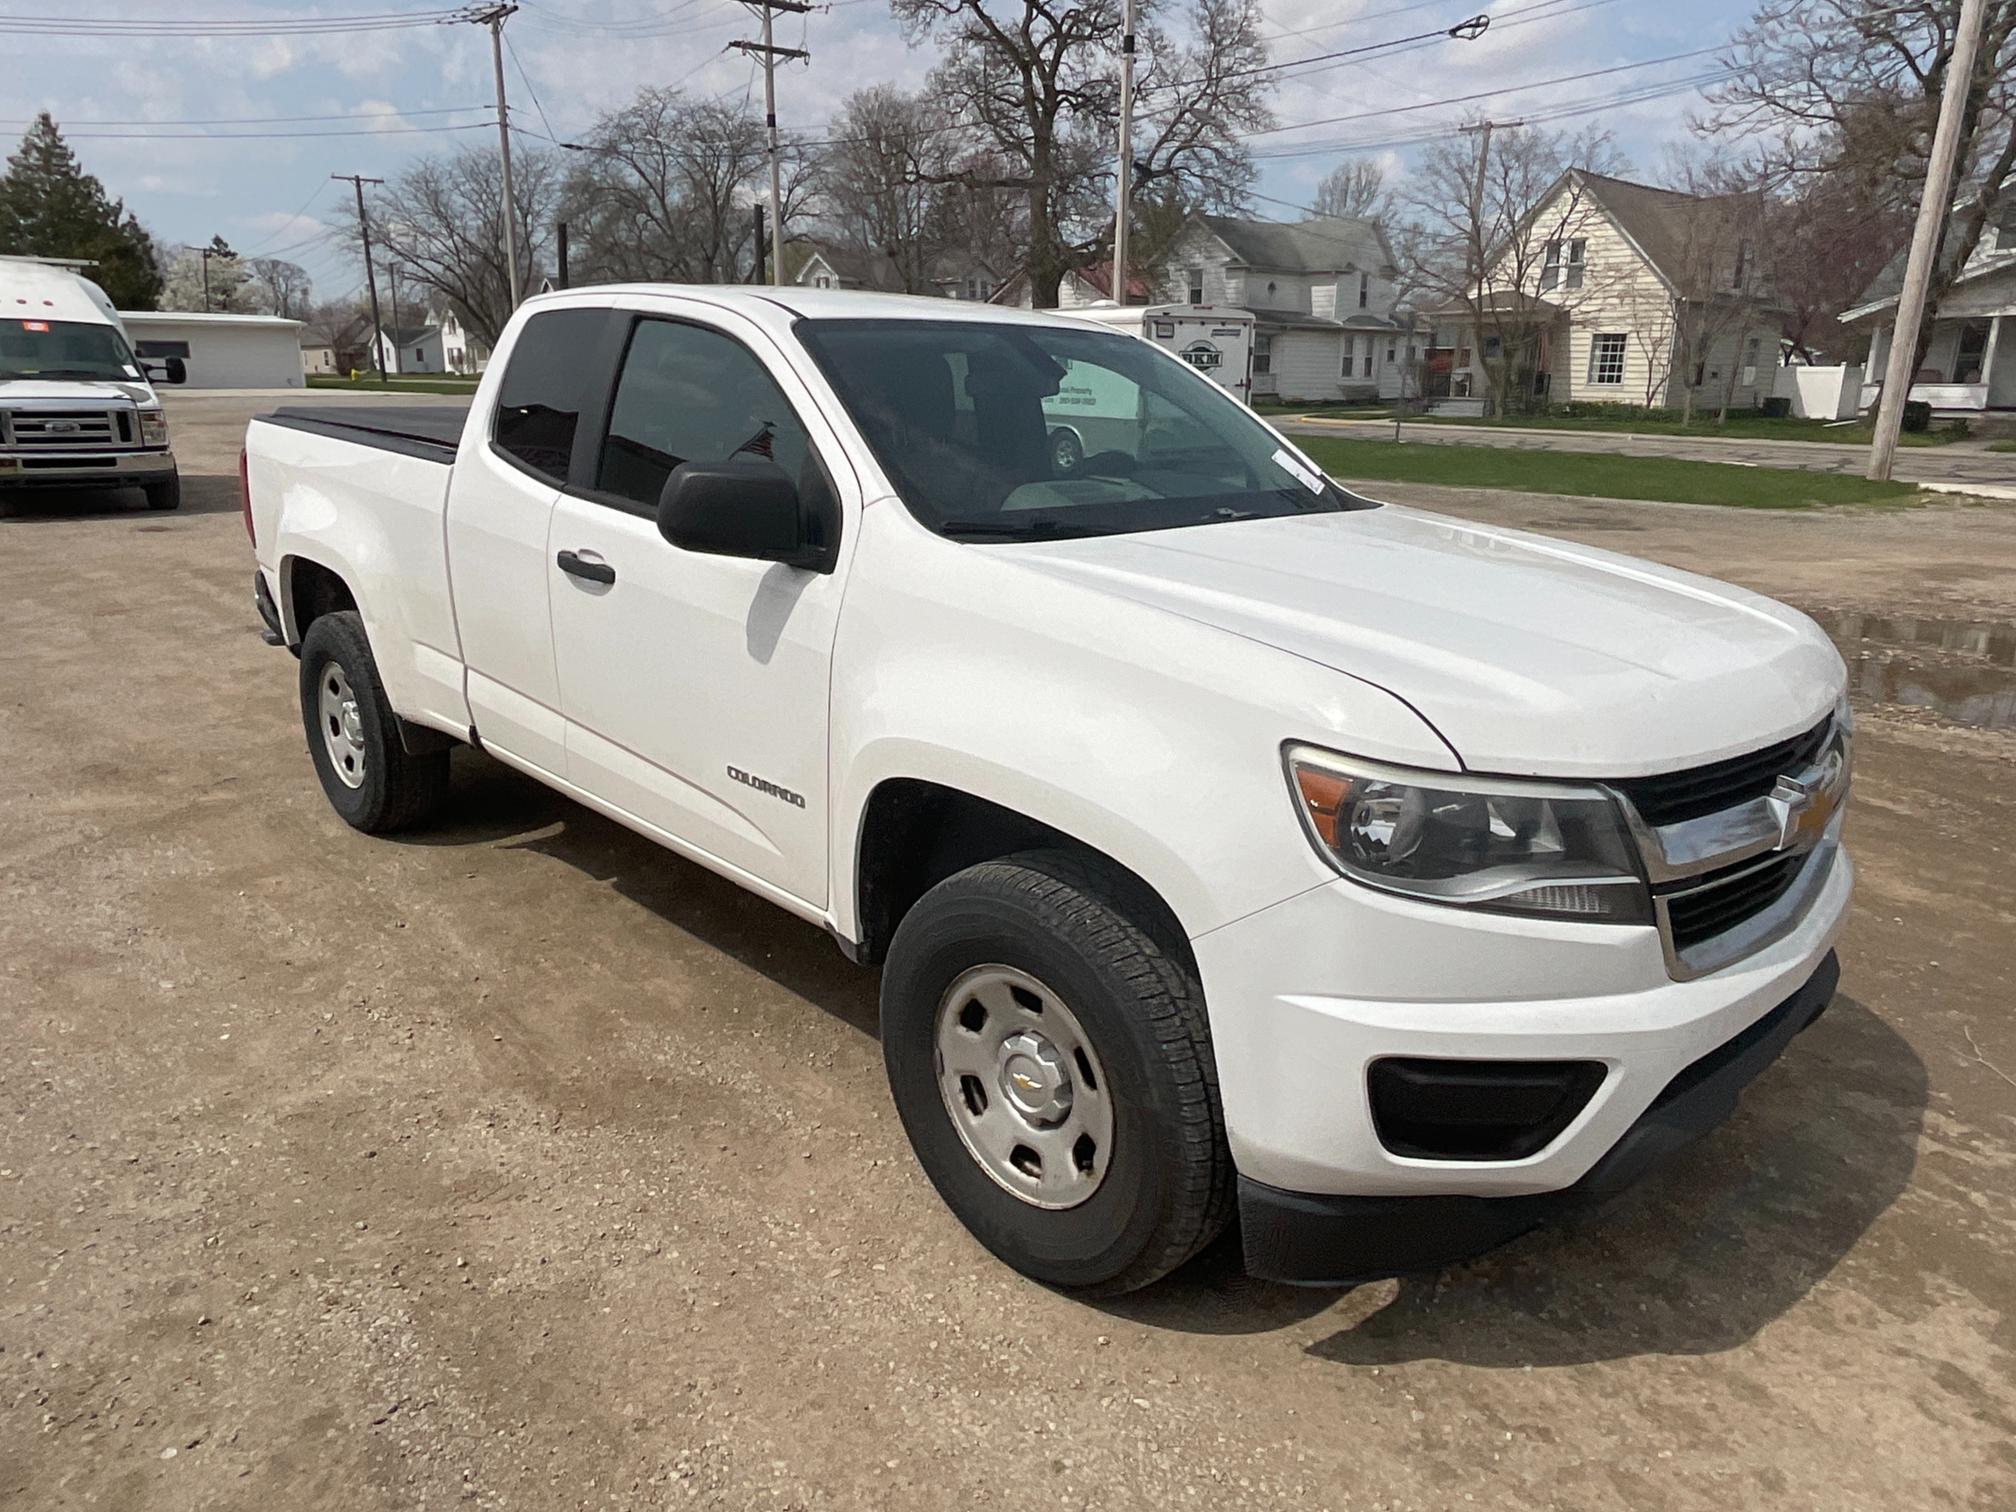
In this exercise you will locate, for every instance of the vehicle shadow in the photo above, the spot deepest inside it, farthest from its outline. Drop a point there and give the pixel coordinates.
(1708, 1250)
(202, 494)
(492, 804)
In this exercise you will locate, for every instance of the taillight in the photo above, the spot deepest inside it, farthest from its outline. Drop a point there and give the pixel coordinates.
(245, 496)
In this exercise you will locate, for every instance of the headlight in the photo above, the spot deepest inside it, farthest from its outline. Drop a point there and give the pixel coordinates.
(153, 428)
(1490, 843)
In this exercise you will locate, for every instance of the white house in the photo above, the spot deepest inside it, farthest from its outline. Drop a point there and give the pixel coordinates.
(951, 275)
(442, 345)
(1324, 293)
(1618, 292)
(1080, 287)
(1970, 366)
(221, 351)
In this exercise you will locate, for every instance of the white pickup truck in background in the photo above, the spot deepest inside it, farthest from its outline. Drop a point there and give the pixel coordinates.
(1229, 842)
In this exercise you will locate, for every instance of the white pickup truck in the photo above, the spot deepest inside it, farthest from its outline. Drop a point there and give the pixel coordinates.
(1228, 841)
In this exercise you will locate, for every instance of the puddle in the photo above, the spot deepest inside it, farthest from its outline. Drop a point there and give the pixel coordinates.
(1964, 670)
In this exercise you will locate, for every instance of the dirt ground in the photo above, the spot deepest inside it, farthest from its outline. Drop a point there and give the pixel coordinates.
(521, 1165)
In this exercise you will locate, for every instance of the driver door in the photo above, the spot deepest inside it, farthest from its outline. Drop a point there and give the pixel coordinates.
(694, 687)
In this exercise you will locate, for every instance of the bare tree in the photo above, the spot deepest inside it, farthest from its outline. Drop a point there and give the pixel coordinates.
(284, 287)
(1495, 215)
(882, 179)
(1036, 82)
(1855, 86)
(1716, 263)
(1829, 239)
(442, 219)
(344, 326)
(665, 190)
(1355, 187)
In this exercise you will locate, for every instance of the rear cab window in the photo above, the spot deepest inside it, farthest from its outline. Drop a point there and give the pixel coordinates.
(556, 373)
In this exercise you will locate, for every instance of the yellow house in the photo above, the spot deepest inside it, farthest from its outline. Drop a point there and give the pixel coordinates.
(1616, 292)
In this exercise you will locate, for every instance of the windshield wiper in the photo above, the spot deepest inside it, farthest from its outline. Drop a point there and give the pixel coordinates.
(1012, 530)
(60, 372)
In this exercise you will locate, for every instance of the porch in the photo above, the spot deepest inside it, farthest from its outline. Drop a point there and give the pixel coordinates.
(1968, 368)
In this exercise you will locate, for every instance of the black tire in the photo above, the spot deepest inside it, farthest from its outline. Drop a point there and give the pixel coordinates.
(166, 494)
(1082, 928)
(398, 789)
(1067, 452)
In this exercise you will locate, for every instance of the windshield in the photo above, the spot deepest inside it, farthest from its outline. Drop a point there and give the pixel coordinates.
(64, 349)
(1022, 432)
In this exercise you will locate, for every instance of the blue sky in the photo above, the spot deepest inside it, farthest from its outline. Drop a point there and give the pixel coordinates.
(398, 93)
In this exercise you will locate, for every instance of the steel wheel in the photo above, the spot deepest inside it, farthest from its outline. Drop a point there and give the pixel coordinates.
(342, 726)
(1023, 1086)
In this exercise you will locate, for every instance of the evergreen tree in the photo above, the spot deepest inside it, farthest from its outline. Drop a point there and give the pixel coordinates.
(50, 207)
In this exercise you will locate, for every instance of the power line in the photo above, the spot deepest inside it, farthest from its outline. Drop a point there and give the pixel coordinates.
(344, 115)
(287, 224)
(526, 79)
(259, 136)
(278, 26)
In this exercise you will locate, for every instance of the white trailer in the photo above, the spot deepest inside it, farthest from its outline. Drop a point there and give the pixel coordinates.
(1217, 340)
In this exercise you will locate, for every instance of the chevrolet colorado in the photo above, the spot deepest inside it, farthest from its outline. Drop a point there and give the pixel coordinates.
(1229, 842)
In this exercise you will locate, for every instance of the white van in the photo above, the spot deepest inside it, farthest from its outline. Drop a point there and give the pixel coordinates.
(77, 408)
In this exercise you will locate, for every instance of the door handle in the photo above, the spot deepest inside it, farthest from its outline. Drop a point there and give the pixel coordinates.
(579, 566)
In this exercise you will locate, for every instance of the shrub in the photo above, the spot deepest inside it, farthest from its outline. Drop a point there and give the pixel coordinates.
(1959, 428)
(1777, 407)
(1917, 416)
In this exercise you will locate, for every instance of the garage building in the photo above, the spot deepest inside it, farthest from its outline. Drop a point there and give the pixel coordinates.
(222, 351)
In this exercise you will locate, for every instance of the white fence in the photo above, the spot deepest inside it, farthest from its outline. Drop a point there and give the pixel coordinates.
(1820, 393)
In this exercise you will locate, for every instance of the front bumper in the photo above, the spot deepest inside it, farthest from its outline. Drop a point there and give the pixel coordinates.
(112, 469)
(1330, 1240)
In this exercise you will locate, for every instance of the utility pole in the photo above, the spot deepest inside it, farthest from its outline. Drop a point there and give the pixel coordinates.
(1124, 169)
(1933, 209)
(206, 253)
(769, 55)
(494, 17)
(758, 211)
(392, 272)
(560, 252)
(370, 282)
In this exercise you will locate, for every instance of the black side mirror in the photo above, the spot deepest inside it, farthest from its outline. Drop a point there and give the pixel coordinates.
(178, 370)
(172, 370)
(743, 507)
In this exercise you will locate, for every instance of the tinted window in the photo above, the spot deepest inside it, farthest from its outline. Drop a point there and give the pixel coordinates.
(688, 394)
(995, 430)
(551, 378)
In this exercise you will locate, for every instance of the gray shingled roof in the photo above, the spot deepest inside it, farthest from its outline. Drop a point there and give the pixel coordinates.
(1662, 222)
(1320, 244)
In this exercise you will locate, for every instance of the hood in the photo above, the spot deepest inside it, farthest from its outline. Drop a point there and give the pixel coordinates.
(73, 391)
(1528, 655)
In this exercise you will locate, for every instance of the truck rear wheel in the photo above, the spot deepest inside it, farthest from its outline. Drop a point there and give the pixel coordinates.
(1052, 1067)
(167, 494)
(371, 779)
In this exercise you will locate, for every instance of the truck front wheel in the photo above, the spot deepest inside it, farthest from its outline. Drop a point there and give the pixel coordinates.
(1052, 1066)
(371, 779)
(167, 494)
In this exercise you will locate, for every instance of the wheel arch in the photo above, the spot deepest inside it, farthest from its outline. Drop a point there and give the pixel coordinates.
(915, 831)
(310, 588)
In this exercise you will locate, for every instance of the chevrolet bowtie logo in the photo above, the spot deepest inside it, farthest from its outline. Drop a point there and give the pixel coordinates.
(1804, 805)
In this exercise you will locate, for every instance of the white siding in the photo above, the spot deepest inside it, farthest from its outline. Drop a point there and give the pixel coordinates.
(249, 352)
(1308, 364)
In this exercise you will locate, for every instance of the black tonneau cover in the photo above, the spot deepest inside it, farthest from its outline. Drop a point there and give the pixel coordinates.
(432, 431)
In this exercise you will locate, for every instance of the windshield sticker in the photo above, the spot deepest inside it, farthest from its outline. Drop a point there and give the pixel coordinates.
(1292, 465)
(132, 371)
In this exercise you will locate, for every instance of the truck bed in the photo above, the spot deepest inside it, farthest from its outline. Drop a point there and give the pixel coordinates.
(430, 431)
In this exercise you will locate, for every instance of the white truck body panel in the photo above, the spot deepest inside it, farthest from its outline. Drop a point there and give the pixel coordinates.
(1216, 340)
(1134, 692)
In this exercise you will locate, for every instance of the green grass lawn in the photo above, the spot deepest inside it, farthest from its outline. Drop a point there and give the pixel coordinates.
(1337, 411)
(1595, 475)
(442, 384)
(2002, 446)
(1739, 428)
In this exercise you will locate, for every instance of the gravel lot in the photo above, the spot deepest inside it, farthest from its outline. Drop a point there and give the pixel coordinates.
(520, 1164)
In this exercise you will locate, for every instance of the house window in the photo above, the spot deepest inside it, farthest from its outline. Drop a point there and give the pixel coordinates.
(1550, 266)
(419, 355)
(1194, 277)
(1263, 355)
(1745, 254)
(1577, 249)
(1364, 291)
(1606, 357)
(821, 281)
(1392, 351)
(159, 349)
(1358, 355)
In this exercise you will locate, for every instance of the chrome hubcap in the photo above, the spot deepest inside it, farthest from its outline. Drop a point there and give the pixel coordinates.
(342, 726)
(1024, 1087)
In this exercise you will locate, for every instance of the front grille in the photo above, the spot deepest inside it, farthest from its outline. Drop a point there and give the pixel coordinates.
(1717, 903)
(1676, 796)
(65, 429)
